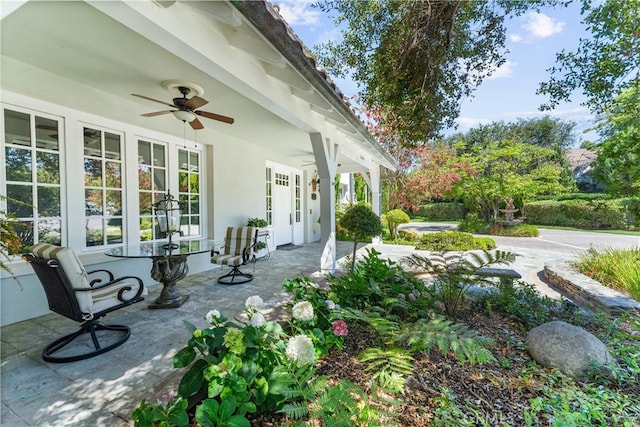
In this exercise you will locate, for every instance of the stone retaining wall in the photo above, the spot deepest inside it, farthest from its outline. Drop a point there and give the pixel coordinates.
(587, 292)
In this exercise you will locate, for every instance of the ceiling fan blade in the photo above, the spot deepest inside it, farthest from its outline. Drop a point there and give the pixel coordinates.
(215, 116)
(154, 100)
(196, 124)
(156, 113)
(195, 102)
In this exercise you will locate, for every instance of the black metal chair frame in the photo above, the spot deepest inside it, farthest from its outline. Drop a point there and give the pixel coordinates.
(61, 296)
(235, 273)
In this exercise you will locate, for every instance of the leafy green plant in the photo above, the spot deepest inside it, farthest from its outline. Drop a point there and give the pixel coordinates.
(346, 404)
(257, 222)
(210, 413)
(473, 224)
(455, 273)
(10, 243)
(394, 218)
(389, 366)
(453, 241)
(361, 222)
(172, 412)
(520, 230)
(446, 336)
(522, 303)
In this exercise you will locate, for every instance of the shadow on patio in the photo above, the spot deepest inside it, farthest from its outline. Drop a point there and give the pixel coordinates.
(103, 391)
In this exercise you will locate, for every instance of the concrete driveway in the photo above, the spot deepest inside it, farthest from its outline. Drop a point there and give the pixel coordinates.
(550, 247)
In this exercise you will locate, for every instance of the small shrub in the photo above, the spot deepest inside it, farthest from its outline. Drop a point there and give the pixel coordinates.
(472, 224)
(454, 241)
(362, 223)
(408, 235)
(257, 222)
(521, 230)
(393, 219)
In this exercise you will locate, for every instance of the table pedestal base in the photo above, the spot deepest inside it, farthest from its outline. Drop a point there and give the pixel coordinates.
(168, 270)
(160, 303)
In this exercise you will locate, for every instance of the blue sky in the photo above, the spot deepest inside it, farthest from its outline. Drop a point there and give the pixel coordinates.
(532, 40)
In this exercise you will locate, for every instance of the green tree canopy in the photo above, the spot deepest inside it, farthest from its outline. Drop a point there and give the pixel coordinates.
(507, 169)
(603, 65)
(618, 163)
(417, 59)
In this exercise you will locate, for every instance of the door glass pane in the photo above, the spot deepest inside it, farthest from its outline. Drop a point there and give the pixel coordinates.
(183, 160)
(49, 231)
(114, 230)
(194, 205)
(18, 162)
(144, 177)
(48, 167)
(159, 180)
(93, 202)
(47, 133)
(95, 235)
(48, 201)
(17, 128)
(92, 172)
(195, 183)
(158, 155)
(113, 174)
(145, 203)
(193, 162)
(112, 146)
(92, 142)
(25, 232)
(183, 178)
(144, 153)
(20, 201)
(146, 229)
(114, 202)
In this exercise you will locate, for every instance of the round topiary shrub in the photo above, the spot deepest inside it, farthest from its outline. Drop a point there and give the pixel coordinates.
(361, 223)
(394, 218)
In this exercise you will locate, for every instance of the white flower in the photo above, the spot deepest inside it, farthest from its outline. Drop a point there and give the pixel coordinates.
(330, 304)
(300, 350)
(212, 315)
(303, 311)
(255, 302)
(257, 320)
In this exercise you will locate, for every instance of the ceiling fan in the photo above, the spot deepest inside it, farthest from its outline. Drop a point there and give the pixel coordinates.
(186, 108)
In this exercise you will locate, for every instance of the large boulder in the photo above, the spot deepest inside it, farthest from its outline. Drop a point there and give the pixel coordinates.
(568, 348)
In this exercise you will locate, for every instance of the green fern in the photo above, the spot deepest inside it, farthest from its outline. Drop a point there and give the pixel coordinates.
(446, 336)
(455, 272)
(389, 366)
(295, 410)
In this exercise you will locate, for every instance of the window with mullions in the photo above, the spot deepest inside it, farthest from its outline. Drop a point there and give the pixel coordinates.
(152, 185)
(189, 191)
(102, 187)
(269, 201)
(32, 153)
(298, 198)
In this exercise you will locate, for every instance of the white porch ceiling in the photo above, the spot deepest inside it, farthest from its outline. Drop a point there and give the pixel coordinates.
(97, 54)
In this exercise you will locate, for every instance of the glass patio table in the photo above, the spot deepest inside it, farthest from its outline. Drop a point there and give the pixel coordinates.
(168, 265)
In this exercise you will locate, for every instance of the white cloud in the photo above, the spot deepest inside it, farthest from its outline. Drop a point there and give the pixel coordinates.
(298, 12)
(516, 38)
(539, 25)
(504, 71)
(466, 123)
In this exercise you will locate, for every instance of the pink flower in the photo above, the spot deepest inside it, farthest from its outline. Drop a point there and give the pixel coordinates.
(339, 328)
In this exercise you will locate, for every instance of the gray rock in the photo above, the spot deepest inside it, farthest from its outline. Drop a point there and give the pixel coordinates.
(568, 348)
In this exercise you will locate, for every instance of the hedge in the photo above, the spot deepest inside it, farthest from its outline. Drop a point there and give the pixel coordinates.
(454, 241)
(617, 214)
(445, 211)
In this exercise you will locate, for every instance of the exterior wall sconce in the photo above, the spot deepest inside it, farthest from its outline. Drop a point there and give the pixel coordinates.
(168, 213)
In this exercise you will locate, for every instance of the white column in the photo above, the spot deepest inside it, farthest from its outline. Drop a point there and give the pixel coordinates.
(326, 155)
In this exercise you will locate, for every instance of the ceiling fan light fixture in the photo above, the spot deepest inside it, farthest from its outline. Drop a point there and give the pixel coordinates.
(185, 116)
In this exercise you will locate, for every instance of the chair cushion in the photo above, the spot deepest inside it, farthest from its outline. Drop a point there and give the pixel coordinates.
(237, 239)
(224, 259)
(72, 267)
(108, 297)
